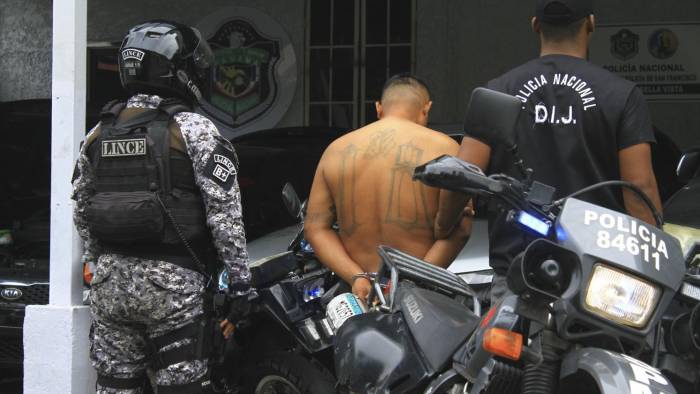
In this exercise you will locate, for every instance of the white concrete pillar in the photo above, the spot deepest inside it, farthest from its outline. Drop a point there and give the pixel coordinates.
(56, 335)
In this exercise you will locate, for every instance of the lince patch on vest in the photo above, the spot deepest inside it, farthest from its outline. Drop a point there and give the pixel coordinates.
(133, 54)
(122, 148)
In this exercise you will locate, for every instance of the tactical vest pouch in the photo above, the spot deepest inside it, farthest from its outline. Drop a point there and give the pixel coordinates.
(126, 217)
(187, 210)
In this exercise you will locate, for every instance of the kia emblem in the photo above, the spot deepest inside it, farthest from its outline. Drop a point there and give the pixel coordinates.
(11, 294)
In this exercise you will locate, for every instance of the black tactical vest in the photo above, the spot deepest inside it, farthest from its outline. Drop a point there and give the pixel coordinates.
(146, 202)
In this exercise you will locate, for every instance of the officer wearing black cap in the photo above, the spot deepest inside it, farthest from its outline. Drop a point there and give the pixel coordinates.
(579, 125)
(156, 195)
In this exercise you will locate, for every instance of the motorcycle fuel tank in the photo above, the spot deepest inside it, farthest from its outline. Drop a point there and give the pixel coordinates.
(397, 352)
(438, 324)
(374, 354)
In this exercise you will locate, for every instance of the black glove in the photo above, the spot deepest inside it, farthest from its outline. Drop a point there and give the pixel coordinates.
(239, 307)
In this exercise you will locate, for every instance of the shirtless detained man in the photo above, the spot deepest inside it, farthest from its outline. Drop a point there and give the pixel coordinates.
(364, 182)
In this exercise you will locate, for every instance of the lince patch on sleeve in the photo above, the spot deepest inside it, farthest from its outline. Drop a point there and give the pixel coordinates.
(221, 168)
(122, 148)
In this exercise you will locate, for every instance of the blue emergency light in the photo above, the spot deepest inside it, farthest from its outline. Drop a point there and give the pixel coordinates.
(533, 223)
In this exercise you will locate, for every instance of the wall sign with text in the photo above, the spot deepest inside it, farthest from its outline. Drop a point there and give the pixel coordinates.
(255, 72)
(663, 60)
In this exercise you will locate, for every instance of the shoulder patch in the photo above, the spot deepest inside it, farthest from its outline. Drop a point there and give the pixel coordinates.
(221, 167)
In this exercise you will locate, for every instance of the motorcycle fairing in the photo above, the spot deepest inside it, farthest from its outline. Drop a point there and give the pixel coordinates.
(615, 373)
(439, 324)
(374, 353)
(640, 247)
(579, 229)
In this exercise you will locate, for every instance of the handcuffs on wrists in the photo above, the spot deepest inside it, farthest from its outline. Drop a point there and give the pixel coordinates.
(370, 276)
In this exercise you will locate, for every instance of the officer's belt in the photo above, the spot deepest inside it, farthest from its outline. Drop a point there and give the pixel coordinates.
(173, 254)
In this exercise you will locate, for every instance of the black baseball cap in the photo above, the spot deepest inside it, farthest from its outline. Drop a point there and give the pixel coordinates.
(563, 12)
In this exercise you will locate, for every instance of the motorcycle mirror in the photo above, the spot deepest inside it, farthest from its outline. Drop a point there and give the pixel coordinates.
(492, 116)
(291, 200)
(689, 166)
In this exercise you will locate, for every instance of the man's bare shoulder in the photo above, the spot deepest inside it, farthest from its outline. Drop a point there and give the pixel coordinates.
(442, 140)
(335, 151)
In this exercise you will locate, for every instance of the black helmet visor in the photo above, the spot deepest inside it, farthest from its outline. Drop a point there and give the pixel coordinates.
(202, 54)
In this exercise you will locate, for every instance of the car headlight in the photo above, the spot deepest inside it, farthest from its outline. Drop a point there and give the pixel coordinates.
(620, 297)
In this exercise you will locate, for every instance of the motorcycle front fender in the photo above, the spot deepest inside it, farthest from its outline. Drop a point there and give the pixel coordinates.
(615, 373)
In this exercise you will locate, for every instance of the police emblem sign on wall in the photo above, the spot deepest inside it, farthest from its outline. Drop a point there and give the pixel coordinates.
(255, 72)
(662, 60)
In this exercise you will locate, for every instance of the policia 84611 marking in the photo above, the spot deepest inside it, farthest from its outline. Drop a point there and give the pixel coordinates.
(627, 235)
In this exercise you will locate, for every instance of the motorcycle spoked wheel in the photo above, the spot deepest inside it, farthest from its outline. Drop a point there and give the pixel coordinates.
(287, 373)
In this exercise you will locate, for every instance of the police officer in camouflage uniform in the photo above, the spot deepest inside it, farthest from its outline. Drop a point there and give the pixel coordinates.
(156, 192)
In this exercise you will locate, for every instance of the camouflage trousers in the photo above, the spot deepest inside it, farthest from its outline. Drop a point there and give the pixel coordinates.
(133, 300)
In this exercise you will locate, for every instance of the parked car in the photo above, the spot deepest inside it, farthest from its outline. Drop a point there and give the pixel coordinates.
(24, 274)
(24, 219)
(269, 159)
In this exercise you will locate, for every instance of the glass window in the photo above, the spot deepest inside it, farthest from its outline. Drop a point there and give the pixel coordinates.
(319, 115)
(375, 71)
(370, 112)
(400, 22)
(320, 22)
(343, 22)
(353, 47)
(319, 75)
(343, 74)
(376, 21)
(343, 116)
(399, 60)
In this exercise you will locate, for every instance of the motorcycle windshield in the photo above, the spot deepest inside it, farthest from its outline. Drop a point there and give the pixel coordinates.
(622, 241)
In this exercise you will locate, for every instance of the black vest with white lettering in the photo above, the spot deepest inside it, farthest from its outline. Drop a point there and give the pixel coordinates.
(146, 202)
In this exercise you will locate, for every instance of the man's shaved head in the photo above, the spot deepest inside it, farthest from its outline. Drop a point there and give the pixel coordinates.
(406, 96)
(406, 89)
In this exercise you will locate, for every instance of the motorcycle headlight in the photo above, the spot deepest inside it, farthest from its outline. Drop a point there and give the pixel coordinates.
(620, 297)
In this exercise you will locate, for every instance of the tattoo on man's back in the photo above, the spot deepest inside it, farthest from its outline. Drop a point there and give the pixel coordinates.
(381, 143)
(346, 191)
(415, 217)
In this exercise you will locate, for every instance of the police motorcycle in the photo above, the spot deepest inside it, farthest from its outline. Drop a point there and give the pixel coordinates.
(590, 288)
(679, 357)
(285, 343)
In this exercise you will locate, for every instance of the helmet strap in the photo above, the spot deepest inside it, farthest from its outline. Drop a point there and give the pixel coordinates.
(189, 84)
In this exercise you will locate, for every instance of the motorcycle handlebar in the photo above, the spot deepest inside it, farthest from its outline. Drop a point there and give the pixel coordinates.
(447, 172)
